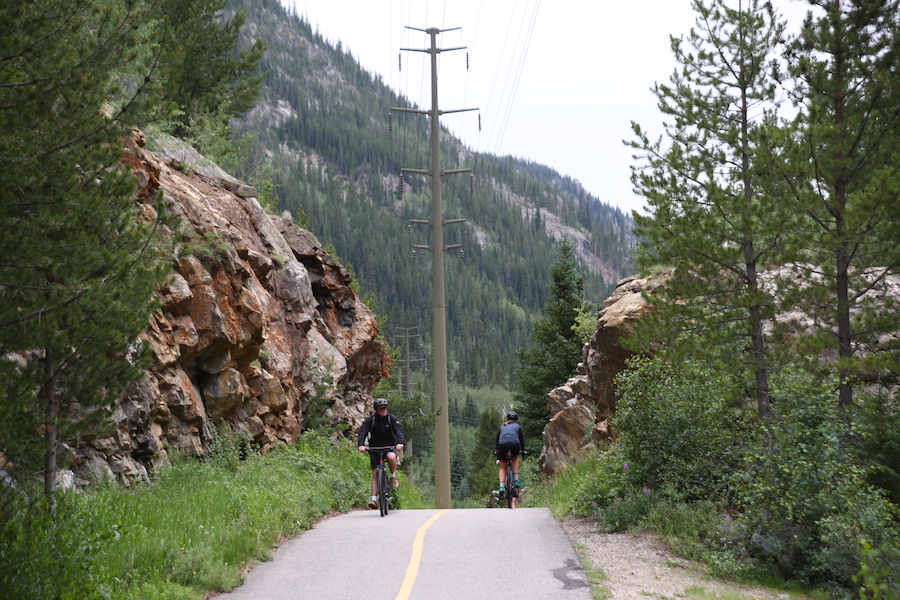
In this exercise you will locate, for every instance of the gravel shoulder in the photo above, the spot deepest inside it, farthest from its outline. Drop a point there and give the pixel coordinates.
(638, 567)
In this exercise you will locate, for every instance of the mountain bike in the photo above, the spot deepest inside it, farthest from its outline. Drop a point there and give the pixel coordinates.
(511, 492)
(382, 485)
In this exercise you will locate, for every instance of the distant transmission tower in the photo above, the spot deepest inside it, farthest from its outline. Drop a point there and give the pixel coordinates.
(405, 379)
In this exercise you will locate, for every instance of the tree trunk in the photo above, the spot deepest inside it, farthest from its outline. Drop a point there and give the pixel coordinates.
(50, 396)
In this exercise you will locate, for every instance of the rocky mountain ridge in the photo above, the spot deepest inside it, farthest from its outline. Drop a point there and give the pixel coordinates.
(258, 329)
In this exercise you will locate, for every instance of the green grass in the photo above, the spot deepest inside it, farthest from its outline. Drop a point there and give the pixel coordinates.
(583, 487)
(194, 530)
(596, 576)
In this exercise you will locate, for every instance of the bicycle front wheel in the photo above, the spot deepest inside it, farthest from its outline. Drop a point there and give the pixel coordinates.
(383, 491)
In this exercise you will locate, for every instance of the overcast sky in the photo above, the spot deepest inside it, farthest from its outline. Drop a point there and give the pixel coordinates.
(557, 82)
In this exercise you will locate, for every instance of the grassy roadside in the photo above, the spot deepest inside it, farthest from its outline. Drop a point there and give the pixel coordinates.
(595, 575)
(688, 530)
(194, 531)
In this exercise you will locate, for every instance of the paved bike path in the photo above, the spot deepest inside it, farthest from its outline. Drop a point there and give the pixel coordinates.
(472, 554)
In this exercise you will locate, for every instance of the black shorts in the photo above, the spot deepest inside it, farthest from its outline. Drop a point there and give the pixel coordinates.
(503, 448)
(374, 458)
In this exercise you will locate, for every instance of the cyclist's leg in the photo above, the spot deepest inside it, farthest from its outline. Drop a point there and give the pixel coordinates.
(501, 475)
(373, 500)
(515, 470)
(392, 463)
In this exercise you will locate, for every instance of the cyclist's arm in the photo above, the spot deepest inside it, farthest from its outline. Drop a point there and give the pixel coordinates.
(363, 432)
(399, 433)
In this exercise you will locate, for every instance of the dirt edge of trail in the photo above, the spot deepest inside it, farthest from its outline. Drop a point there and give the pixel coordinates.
(638, 566)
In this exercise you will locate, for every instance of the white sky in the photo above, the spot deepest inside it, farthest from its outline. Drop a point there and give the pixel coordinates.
(557, 82)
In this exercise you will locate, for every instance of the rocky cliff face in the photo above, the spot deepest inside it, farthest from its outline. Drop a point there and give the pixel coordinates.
(582, 405)
(258, 328)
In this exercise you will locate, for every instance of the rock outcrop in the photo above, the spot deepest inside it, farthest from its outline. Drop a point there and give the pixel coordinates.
(258, 328)
(581, 406)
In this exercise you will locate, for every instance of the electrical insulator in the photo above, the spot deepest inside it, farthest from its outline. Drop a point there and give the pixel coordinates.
(471, 184)
(462, 254)
(467, 61)
(409, 229)
(415, 254)
(390, 121)
(399, 62)
(479, 122)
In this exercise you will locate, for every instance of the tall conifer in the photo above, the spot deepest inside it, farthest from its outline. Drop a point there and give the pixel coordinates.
(714, 216)
(78, 260)
(841, 172)
(209, 76)
(555, 349)
(482, 463)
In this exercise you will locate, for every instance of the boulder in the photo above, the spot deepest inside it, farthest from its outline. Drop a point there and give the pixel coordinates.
(590, 397)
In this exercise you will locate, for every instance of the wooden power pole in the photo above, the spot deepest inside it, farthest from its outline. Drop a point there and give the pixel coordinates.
(437, 247)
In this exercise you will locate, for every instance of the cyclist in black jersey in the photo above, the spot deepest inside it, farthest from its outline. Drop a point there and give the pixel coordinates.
(382, 429)
(509, 438)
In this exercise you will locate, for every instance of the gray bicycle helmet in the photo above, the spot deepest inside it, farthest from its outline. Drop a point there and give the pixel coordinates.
(380, 402)
(511, 416)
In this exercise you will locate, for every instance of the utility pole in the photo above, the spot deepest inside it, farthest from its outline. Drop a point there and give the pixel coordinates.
(437, 222)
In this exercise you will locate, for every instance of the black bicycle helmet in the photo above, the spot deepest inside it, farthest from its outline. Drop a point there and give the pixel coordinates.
(511, 416)
(380, 402)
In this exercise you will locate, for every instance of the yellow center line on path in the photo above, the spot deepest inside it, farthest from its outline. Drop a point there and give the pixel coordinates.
(413, 569)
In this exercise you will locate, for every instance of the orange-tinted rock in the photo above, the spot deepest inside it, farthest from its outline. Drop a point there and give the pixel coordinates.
(254, 317)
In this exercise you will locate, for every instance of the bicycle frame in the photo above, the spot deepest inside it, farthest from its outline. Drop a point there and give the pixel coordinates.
(511, 492)
(382, 486)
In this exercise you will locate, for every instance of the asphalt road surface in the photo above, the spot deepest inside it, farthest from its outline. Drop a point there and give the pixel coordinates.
(470, 554)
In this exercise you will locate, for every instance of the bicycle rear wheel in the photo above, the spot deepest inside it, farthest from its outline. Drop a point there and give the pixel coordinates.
(510, 488)
(383, 491)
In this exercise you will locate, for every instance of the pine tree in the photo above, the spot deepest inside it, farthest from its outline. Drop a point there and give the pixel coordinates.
(482, 463)
(79, 259)
(555, 349)
(210, 78)
(470, 413)
(713, 215)
(841, 172)
(453, 411)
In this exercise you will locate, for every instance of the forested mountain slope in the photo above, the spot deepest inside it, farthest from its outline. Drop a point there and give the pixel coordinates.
(322, 127)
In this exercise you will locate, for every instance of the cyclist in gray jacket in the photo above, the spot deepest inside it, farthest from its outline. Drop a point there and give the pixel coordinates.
(510, 439)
